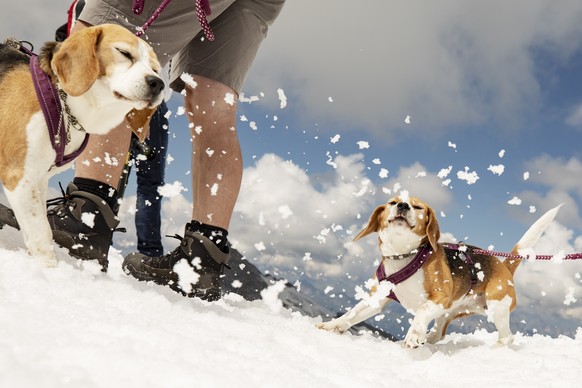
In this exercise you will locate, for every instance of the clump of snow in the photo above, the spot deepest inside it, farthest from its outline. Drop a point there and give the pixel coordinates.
(229, 98)
(188, 80)
(514, 201)
(469, 177)
(497, 169)
(186, 273)
(171, 189)
(282, 98)
(88, 219)
(363, 144)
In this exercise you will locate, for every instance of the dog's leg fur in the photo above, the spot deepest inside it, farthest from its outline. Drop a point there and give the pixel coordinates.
(416, 335)
(361, 311)
(28, 203)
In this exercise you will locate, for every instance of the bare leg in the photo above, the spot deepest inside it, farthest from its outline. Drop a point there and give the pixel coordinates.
(216, 155)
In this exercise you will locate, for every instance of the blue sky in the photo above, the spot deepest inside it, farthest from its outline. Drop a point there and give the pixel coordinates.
(484, 83)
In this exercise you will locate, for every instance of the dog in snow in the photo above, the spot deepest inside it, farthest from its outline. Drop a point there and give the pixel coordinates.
(436, 282)
(99, 76)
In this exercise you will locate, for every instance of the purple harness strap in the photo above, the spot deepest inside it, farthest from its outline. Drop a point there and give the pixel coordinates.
(410, 269)
(52, 111)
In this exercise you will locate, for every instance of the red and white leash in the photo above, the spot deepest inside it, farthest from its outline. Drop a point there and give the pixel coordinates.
(202, 11)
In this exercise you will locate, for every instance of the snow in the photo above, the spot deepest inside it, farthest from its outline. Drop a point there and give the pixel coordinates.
(75, 326)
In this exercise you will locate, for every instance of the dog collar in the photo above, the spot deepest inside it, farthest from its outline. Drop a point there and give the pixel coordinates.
(53, 114)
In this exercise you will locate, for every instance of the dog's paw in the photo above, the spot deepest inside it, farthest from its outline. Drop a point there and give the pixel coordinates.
(50, 262)
(504, 342)
(414, 340)
(332, 326)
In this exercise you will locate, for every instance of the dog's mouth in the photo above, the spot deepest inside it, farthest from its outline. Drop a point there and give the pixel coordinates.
(400, 219)
(149, 102)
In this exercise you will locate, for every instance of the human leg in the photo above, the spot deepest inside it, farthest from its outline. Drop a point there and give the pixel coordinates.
(150, 174)
(217, 70)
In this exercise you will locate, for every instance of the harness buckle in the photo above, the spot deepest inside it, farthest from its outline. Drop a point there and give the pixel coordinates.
(13, 42)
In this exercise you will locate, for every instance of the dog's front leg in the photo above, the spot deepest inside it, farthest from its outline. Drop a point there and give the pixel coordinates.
(416, 335)
(28, 203)
(361, 311)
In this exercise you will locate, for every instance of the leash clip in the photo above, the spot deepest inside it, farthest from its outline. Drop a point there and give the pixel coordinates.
(13, 42)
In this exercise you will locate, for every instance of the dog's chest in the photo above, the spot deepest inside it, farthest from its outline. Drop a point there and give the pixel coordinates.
(410, 293)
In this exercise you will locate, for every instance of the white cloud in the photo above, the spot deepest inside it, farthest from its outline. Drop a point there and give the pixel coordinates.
(448, 62)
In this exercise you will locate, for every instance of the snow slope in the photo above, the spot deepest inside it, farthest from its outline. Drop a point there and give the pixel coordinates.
(74, 326)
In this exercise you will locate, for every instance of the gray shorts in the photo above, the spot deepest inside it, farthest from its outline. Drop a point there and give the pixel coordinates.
(239, 27)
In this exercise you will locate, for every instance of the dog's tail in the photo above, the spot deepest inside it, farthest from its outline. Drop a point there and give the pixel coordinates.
(531, 237)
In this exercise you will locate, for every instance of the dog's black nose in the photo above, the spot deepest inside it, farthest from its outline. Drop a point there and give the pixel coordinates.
(402, 207)
(156, 84)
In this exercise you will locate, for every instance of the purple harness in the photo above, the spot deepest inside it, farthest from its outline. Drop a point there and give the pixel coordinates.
(416, 263)
(53, 113)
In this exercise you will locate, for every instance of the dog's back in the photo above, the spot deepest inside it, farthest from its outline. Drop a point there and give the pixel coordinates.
(17, 105)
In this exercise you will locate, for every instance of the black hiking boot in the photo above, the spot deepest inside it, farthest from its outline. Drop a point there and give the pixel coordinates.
(196, 251)
(84, 224)
(7, 217)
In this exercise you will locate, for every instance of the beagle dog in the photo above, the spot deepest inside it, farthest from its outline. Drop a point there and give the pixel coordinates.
(440, 289)
(104, 75)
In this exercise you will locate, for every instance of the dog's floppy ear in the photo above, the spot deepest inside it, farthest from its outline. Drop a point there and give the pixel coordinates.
(433, 231)
(139, 122)
(373, 224)
(75, 63)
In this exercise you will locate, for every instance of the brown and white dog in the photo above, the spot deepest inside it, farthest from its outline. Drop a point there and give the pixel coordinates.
(436, 291)
(107, 74)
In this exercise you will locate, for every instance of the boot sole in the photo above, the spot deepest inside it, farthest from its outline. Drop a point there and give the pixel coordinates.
(209, 294)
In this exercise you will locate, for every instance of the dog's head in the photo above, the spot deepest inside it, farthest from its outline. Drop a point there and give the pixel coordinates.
(115, 62)
(403, 224)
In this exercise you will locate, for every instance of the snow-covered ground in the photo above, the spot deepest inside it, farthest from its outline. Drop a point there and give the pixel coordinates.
(73, 326)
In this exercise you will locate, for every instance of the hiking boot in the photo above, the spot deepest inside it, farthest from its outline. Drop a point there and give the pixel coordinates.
(7, 217)
(200, 263)
(83, 223)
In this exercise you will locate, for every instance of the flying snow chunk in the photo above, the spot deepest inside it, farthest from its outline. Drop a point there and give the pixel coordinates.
(444, 172)
(532, 209)
(383, 173)
(514, 201)
(335, 139)
(570, 297)
(363, 144)
(88, 219)
(330, 99)
(469, 177)
(187, 276)
(260, 246)
(285, 211)
(525, 176)
(407, 119)
(270, 296)
(452, 145)
(236, 284)
(229, 99)
(171, 189)
(282, 98)
(376, 161)
(501, 153)
(498, 169)
(327, 290)
(188, 80)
